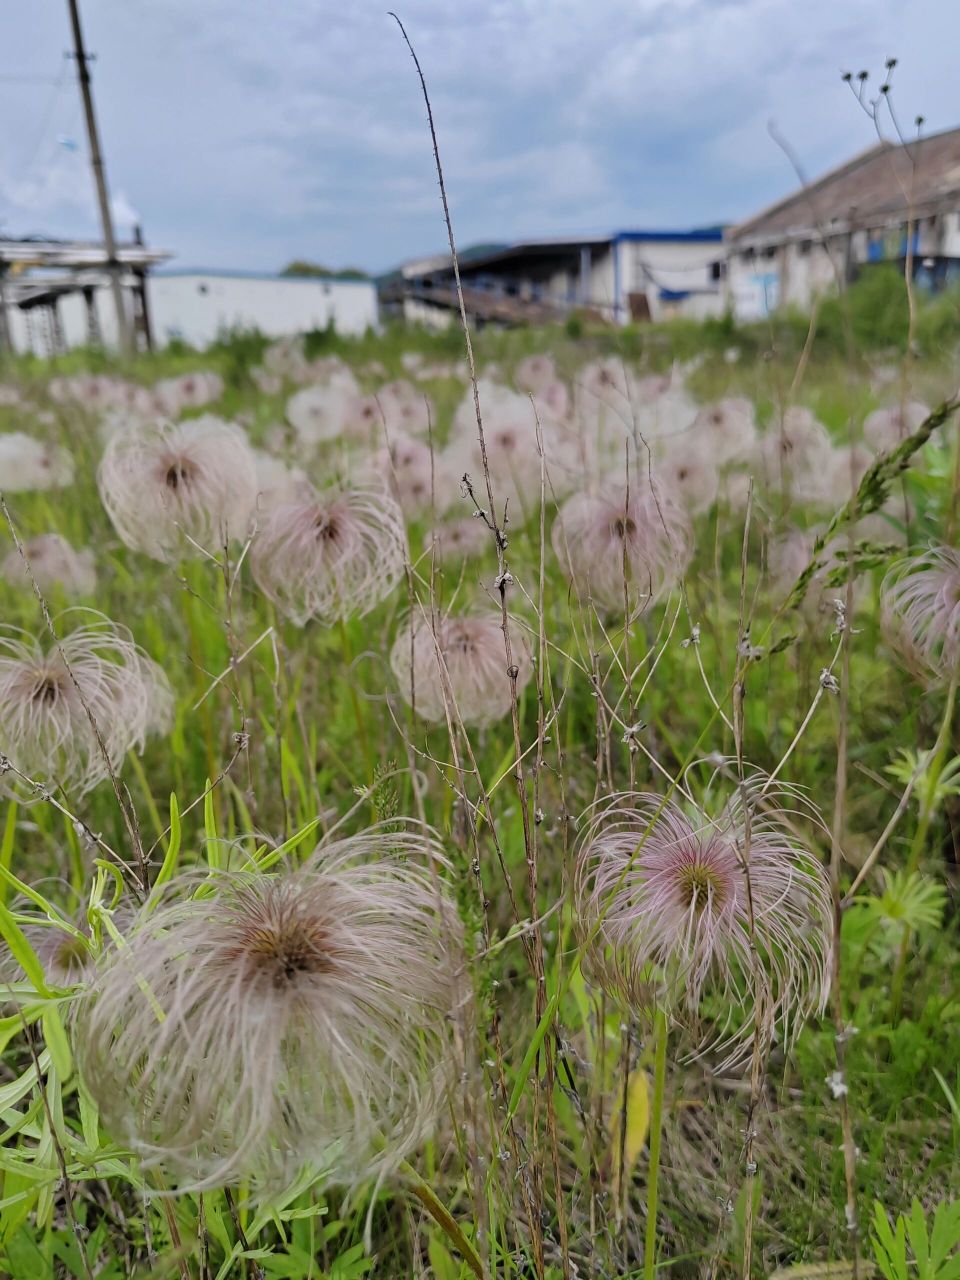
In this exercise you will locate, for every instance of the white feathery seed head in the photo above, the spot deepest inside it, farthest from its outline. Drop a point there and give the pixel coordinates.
(536, 373)
(331, 555)
(46, 694)
(622, 546)
(458, 540)
(920, 609)
(53, 564)
(665, 915)
(169, 485)
(685, 473)
(459, 661)
(795, 454)
(884, 429)
(726, 429)
(188, 391)
(419, 478)
(27, 464)
(254, 1026)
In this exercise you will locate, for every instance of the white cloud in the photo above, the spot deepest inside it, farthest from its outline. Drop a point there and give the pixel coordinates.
(246, 135)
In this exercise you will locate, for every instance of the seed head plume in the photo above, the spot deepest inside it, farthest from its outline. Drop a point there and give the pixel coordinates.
(618, 546)
(27, 464)
(321, 413)
(666, 917)
(795, 454)
(459, 540)
(685, 473)
(462, 663)
(188, 391)
(254, 1025)
(45, 729)
(886, 428)
(417, 477)
(168, 485)
(920, 608)
(726, 430)
(330, 555)
(53, 563)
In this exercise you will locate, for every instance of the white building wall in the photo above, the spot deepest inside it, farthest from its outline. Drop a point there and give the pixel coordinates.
(198, 307)
(430, 317)
(679, 266)
(792, 276)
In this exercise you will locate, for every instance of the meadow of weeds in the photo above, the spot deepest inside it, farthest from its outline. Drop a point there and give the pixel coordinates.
(536, 859)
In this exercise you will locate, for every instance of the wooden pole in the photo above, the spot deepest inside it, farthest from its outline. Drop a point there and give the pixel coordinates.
(99, 178)
(6, 336)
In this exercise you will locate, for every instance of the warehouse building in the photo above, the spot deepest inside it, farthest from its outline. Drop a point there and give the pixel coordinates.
(630, 275)
(890, 203)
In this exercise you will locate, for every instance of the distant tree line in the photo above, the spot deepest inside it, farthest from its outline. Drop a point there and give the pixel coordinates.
(301, 267)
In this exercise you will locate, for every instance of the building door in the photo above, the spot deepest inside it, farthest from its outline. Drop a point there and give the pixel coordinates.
(639, 306)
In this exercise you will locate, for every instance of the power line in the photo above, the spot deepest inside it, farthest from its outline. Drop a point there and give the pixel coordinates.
(41, 133)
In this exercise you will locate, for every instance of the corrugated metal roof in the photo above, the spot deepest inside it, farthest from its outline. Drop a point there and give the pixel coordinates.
(887, 183)
(551, 246)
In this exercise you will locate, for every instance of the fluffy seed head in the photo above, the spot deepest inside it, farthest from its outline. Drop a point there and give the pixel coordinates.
(726, 429)
(458, 540)
(795, 454)
(618, 547)
(275, 1022)
(323, 412)
(167, 485)
(276, 482)
(665, 913)
(188, 391)
(53, 563)
(510, 434)
(330, 555)
(403, 408)
(886, 428)
(27, 464)
(44, 726)
(920, 608)
(686, 472)
(418, 478)
(535, 373)
(460, 662)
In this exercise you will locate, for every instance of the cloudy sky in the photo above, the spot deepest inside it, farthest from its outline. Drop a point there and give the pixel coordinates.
(244, 133)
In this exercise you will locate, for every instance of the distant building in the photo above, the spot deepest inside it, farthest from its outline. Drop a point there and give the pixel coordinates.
(821, 237)
(197, 306)
(55, 294)
(630, 275)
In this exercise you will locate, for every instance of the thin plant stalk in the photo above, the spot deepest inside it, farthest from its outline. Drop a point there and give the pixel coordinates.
(656, 1136)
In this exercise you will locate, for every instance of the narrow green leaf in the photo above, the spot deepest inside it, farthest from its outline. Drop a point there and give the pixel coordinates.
(172, 855)
(530, 1056)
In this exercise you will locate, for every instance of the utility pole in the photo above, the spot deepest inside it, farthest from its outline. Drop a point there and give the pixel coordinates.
(99, 178)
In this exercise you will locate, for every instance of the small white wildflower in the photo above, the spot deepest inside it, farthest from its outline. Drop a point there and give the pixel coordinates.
(693, 638)
(829, 681)
(837, 1085)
